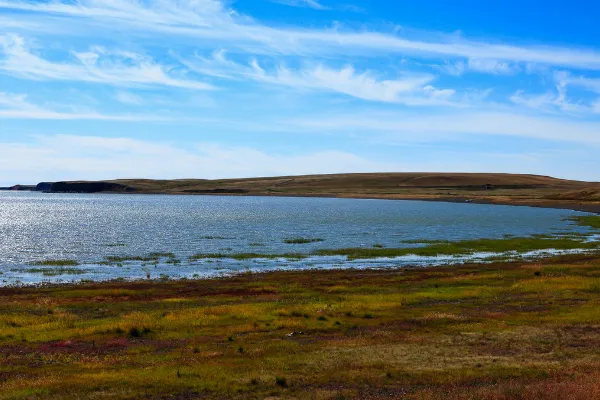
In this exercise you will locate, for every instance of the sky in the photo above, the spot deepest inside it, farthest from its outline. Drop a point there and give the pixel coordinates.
(106, 89)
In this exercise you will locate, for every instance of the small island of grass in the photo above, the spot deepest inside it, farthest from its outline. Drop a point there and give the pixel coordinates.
(301, 240)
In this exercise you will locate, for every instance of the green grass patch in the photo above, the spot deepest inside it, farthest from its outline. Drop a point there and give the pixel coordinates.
(301, 240)
(593, 221)
(152, 257)
(466, 247)
(56, 271)
(162, 255)
(246, 256)
(56, 263)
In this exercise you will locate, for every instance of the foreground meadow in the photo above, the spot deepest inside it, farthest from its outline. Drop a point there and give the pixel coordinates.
(493, 331)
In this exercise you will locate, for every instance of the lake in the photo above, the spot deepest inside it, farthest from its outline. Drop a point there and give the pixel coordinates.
(89, 229)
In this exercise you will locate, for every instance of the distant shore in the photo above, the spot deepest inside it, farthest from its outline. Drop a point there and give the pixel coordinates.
(488, 188)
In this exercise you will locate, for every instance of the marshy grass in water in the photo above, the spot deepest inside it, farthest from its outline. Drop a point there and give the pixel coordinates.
(433, 248)
(592, 221)
(55, 263)
(159, 255)
(301, 240)
(152, 257)
(504, 249)
(246, 256)
(56, 271)
(466, 247)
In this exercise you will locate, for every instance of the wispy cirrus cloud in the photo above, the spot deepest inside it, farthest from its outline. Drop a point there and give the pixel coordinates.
(212, 19)
(491, 66)
(591, 84)
(16, 106)
(551, 102)
(128, 98)
(558, 99)
(314, 4)
(407, 88)
(486, 66)
(97, 66)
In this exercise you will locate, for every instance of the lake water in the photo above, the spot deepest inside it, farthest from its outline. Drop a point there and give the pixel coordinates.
(88, 228)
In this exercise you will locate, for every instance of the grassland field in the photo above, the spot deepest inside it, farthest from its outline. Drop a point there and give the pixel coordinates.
(502, 330)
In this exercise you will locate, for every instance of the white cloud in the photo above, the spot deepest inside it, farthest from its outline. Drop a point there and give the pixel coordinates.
(558, 101)
(97, 65)
(128, 98)
(486, 66)
(537, 102)
(490, 66)
(210, 19)
(407, 89)
(590, 84)
(452, 68)
(303, 3)
(16, 106)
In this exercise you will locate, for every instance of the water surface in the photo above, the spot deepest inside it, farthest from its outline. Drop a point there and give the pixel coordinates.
(88, 228)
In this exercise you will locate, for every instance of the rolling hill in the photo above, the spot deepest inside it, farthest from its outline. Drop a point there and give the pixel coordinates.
(517, 189)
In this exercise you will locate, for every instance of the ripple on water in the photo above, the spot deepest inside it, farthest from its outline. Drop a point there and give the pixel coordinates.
(89, 228)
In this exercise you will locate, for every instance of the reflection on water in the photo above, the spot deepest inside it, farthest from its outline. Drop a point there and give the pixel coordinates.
(90, 228)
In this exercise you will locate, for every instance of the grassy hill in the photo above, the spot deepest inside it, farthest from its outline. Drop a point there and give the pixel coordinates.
(520, 189)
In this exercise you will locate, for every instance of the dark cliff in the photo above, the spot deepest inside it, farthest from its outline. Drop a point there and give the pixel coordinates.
(44, 187)
(89, 187)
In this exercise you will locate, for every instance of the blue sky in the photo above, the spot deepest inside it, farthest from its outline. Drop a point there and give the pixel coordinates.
(102, 89)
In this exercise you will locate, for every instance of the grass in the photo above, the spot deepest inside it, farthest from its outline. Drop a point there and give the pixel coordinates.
(301, 240)
(430, 248)
(56, 263)
(592, 221)
(467, 247)
(159, 255)
(152, 257)
(565, 241)
(521, 330)
(246, 256)
(57, 271)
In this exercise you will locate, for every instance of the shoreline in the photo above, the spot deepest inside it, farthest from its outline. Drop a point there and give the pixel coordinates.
(267, 274)
(542, 203)
(590, 207)
(480, 188)
(259, 274)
